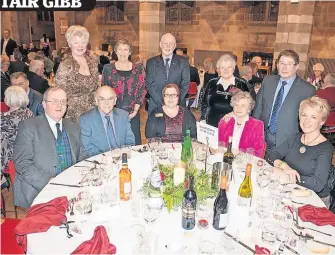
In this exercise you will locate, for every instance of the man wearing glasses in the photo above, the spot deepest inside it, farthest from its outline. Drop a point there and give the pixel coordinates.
(105, 127)
(278, 100)
(45, 146)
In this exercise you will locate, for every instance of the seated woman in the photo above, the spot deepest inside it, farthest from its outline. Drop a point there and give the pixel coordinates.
(170, 121)
(17, 100)
(246, 132)
(306, 157)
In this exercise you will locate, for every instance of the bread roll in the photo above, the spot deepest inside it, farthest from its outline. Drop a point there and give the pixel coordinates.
(315, 247)
(301, 192)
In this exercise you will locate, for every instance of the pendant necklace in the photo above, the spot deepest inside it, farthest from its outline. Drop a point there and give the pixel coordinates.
(302, 149)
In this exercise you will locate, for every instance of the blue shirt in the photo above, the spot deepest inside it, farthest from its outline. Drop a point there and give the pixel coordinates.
(287, 88)
(104, 120)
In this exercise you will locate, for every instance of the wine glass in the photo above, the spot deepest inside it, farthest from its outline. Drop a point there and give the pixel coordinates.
(150, 214)
(263, 180)
(203, 216)
(264, 207)
(206, 247)
(116, 154)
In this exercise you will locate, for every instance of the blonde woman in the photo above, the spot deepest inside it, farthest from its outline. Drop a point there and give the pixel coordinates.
(17, 100)
(215, 101)
(306, 157)
(78, 73)
(210, 71)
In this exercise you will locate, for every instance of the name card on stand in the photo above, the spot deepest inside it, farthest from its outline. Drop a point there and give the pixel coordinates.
(207, 134)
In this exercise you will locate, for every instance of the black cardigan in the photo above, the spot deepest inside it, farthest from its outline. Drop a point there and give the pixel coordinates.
(155, 126)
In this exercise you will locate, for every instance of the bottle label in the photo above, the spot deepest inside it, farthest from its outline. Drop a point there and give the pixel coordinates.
(223, 220)
(127, 187)
(242, 201)
(188, 211)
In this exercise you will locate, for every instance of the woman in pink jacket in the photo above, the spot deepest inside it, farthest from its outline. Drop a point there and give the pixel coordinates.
(246, 132)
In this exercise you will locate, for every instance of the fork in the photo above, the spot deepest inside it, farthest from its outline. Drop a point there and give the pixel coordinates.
(301, 228)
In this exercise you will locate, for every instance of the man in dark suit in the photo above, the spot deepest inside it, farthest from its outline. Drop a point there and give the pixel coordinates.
(194, 74)
(45, 146)
(5, 78)
(104, 127)
(35, 98)
(258, 60)
(18, 65)
(7, 44)
(34, 75)
(164, 69)
(278, 100)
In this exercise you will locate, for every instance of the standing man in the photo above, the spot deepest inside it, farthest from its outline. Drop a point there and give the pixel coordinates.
(7, 44)
(5, 77)
(45, 146)
(258, 60)
(278, 100)
(164, 69)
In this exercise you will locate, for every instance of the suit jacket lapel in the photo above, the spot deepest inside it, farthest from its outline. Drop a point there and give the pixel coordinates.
(272, 92)
(174, 63)
(290, 97)
(49, 140)
(71, 135)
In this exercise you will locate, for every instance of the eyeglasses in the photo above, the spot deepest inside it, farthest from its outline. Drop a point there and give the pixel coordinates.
(57, 102)
(171, 95)
(286, 64)
(106, 100)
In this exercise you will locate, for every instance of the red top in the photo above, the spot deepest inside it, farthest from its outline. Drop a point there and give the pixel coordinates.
(328, 94)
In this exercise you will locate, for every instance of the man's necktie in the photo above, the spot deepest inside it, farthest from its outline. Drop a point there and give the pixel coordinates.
(110, 133)
(276, 109)
(59, 133)
(167, 67)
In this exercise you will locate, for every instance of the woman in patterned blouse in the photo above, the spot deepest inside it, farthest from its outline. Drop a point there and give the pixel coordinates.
(78, 73)
(170, 121)
(17, 100)
(128, 81)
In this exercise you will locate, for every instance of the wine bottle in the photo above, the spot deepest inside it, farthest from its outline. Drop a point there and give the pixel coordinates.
(155, 192)
(189, 206)
(187, 151)
(228, 156)
(125, 179)
(245, 190)
(220, 218)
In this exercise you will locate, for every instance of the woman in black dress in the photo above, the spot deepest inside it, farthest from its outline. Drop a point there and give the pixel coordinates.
(215, 101)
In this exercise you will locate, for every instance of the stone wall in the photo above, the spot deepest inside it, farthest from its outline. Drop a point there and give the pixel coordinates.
(224, 26)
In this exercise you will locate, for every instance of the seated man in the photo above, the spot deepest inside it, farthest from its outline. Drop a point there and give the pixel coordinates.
(35, 76)
(104, 127)
(35, 98)
(45, 146)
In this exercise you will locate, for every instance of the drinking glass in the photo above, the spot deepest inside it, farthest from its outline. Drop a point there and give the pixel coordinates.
(269, 232)
(163, 151)
(153, 143)
(264, 207)
(150, 215)
(222, 147)
(225, 246)
(116, 154)
(84, 202)
(263, 180)
(126, 149)
(135, 206)
(95, 177)
(201, 152)
(203, 216)
(174, 156)
(274, 181)
(206, 247)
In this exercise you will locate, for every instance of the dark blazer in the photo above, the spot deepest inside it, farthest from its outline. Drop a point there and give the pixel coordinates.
(155, 126)
(37, 83)
(5, 83)
(18, 66)
(179, 73)
(288, 119)
(35, 102)
(11, 45)
(194, 75)
(35, 156)
(93, 133)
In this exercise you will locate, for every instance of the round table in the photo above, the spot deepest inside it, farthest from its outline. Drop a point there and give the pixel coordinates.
(167, 228)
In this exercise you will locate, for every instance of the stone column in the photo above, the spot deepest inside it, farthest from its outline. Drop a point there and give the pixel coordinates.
(152, 26)
(9, 20)
(294, 29)
(59, 17)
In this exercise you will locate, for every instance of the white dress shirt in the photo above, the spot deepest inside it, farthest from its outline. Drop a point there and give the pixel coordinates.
(52, 125)
(220, 81)
(4, 46)
(238, 129)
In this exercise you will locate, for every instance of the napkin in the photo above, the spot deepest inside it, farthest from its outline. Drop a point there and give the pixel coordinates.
(40, 218)
(261, 250)
(98, 244)
(319, 216)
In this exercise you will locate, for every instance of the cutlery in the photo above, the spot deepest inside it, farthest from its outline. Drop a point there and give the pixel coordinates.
(94, 162)
(299, 203)
(72, 205)
(66, 185)
(291, 249)
(239, 242)
(310, 237)
(300, 227)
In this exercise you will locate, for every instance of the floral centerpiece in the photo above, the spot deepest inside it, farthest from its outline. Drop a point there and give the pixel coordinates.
(173, 194)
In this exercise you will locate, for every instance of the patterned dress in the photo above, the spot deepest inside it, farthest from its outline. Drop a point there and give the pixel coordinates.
(174, 128)
(78, 87)
(9, 128)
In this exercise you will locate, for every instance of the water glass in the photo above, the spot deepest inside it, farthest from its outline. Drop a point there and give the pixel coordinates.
(116, 154)
(274, 181)
(282, 235)
(163, 151)
(135, 206)
(84, 202)
(206, 247)
(225, 246)
(264, 207)
(95, 177)
(174, 156)
(150, 214)
(263, 180)
(269, 232)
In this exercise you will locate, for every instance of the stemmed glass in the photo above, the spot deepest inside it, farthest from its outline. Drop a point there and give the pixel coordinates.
(263, 180)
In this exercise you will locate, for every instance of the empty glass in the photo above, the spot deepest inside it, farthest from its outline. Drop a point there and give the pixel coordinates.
(163, 151)
(264, 207)
(116, 154)
(269, 232)
(263, 180)
(84, 202)
(225, 246)
(150, 214)
(206, 247)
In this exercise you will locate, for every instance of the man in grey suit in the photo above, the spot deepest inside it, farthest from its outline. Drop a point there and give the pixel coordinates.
(104, 127)
(45, 146)
(278, 100)
(35, 98)
(164, 69)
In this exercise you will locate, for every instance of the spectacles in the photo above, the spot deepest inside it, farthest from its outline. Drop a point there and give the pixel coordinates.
(106, 100)
(171, 95)
(288, 64)
(57, 102)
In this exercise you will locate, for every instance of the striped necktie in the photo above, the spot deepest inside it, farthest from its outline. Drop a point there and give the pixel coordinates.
(59, 133)
(111, 133)
(276, 109)
(167, 67)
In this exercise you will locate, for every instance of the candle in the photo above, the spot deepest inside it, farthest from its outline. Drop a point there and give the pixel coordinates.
(178, 175)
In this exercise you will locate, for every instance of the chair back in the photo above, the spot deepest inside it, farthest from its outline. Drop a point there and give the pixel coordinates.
(330, 122)
(11, 170)
(4, 107)
(8, 237)
(192, 89)
(264, 150)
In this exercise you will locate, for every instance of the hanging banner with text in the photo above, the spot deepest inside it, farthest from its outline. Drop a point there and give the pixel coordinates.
(207, 134)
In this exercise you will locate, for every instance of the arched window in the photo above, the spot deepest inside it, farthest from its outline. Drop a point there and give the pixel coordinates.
(179, 12)
(110, 12)
(265, 11)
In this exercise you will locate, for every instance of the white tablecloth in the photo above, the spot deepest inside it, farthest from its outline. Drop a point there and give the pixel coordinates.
(166, 229)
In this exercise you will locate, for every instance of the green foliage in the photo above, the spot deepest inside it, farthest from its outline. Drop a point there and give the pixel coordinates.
(173, 195)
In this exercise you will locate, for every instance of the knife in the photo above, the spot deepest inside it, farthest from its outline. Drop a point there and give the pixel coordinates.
(332, 245)
(239, 242)
(291, 249)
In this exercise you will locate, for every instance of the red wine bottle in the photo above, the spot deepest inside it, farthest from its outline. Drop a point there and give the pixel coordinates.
(220, 218)
(189, 206)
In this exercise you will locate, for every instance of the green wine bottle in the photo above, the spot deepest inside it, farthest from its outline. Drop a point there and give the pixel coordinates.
(187, 151)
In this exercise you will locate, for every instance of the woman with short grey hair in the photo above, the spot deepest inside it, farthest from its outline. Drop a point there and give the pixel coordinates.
(215, 101)
(17, 100)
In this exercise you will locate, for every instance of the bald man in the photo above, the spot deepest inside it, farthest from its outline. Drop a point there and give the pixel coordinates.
(35, 76)
(105, 127)
(164, 69)
(258, 60)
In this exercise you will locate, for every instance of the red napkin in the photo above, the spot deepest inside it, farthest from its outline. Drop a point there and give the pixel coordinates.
(319, 216)
(261, 250)
(98, 244)
(40, 218)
